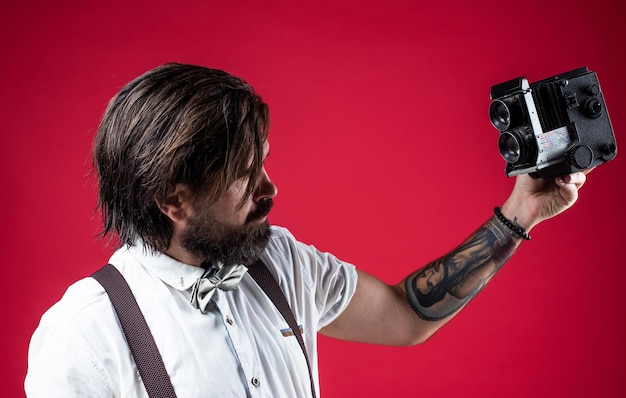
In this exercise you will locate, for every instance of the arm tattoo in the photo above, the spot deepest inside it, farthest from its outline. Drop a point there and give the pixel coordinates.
(445, 285)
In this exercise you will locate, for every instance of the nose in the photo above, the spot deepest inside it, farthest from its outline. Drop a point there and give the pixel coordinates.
(265, 188)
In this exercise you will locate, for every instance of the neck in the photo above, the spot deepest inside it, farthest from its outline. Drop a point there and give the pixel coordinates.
(176, 252)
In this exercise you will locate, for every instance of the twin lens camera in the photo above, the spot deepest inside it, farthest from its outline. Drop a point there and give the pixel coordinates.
(553, 127)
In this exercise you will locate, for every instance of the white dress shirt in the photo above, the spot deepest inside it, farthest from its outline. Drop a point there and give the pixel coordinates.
(240, 348)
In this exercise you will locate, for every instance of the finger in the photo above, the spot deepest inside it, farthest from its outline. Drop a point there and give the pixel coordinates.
(567, 189)
(577, 179)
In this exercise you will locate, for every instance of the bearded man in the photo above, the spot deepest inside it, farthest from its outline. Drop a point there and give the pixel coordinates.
(180, 156)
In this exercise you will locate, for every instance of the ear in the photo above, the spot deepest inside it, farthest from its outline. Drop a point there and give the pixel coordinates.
(177, 205)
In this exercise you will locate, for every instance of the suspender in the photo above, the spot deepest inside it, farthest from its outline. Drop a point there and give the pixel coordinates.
(140, 339)
(138, 335)
(266, 281)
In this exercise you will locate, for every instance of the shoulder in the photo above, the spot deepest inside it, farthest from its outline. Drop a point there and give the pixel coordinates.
(290, 257)
(72, 340)
(82, 316)
(285, 252)
(310, 274)
(283, 244)
(280, 233)
(282, 241)
(83, 300)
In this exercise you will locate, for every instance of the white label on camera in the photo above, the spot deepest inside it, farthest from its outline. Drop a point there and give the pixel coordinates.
(554, 139)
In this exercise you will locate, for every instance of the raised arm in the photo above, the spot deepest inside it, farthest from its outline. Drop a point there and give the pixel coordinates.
(411, 311)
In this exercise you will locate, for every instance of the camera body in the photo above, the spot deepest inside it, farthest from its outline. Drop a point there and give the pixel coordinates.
(553, 127)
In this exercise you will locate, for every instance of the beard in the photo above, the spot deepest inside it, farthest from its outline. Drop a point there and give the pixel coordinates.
(218, 243)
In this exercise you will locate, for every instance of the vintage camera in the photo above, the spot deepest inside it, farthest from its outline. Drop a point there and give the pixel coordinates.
(553, 127)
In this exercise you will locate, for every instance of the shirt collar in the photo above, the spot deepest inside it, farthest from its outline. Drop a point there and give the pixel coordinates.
(178, 275)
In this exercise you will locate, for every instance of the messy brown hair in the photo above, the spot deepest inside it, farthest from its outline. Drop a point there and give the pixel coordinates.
(174, 124)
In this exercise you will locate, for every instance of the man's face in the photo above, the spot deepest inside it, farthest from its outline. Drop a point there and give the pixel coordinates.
(234, 229)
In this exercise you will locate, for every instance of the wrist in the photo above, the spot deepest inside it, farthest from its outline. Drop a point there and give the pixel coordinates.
(512, 226)
(520, 215)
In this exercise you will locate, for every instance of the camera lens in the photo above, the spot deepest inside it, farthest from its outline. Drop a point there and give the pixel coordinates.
(510, 148)
(500, 115)
(516, 145)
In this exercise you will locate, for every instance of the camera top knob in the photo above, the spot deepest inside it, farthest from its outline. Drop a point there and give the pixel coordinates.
(594, 89)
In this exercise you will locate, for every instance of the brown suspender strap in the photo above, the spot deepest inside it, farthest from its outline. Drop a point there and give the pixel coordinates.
(268, 283)
(140, 340)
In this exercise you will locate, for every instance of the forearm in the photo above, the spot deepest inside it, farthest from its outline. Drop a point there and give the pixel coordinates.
(435, 292)
(435, 298)
(439, 290)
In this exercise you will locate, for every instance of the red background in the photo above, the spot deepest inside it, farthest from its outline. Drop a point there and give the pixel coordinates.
(383, 154)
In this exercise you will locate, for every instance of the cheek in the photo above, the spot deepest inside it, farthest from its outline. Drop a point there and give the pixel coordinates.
(229, 214)
(234, 212)
(229, 208)
(238, 189)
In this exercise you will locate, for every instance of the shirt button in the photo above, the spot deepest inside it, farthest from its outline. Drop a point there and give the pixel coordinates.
(255, 381)
(230, 320)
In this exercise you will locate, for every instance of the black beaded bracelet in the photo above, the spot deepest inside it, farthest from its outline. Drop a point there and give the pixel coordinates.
(509, 224)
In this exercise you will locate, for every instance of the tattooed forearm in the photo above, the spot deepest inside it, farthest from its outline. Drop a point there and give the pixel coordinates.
(444, 286)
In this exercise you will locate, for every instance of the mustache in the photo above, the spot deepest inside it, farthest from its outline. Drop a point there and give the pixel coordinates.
(263, 208)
